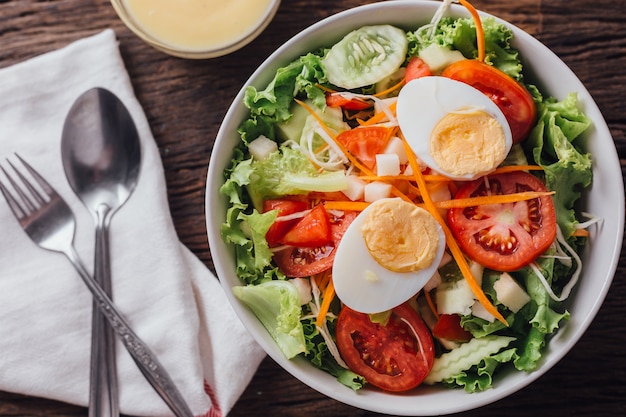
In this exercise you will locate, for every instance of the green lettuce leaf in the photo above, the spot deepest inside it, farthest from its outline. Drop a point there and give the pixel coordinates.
(271, 105)
(320, 357)
(460, 34)
(552, 144)
(277, 305)
(290, 172)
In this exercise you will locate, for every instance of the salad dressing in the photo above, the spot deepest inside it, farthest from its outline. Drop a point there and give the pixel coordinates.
(198, 24)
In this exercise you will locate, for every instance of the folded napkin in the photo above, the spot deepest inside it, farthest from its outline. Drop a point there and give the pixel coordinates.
(167, 295)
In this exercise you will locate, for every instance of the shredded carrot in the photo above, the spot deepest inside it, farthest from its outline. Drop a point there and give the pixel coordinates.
(326, 89)
(390, 89)
(431, 303)
(378, 117)
(514, 168)
(346, 205)
(480, 34)
(329, 294)
(450, 241)
(491, 199)
(321, 280)
(581, 233)
(345, 151)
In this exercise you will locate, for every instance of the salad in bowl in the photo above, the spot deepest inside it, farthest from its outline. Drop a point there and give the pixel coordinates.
(402, 207)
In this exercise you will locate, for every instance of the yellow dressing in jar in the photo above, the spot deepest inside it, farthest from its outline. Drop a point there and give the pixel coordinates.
(196, 27)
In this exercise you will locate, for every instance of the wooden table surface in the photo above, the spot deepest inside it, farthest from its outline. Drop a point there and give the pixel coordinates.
(185, 101)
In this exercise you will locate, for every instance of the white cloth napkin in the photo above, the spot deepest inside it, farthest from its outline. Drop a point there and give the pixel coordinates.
(168, 296)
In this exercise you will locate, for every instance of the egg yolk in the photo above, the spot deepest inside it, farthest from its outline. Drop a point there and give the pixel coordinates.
(466, 143)
(400, 236)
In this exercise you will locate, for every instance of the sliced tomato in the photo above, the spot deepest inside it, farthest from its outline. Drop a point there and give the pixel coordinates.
(366, 142)
(510, 96)
(303, 262)
(504, 237)
(311, 231)
(284, 207)
(394, 357)
(354, 103)
(416, 68)
(448, 327)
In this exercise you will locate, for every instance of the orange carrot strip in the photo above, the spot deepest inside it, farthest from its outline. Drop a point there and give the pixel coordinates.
(326, 89)
(431, 303)
(346, 205)
(390, 89)
(456, 251)
(345, 151)
(581, 233)
(329, 294)
(480, 34)
(514, 168)
(491, 199)
(378, 117)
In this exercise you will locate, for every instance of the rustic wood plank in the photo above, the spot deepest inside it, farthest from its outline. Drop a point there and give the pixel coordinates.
(186, 100)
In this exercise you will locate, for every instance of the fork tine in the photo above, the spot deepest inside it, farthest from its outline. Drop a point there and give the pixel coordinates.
(47, 188)
(39, 199)
(16, 208)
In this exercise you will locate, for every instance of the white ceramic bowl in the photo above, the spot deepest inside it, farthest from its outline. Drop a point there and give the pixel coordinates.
(605, 199)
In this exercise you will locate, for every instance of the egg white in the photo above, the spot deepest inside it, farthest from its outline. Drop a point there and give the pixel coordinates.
(423, 102)
(364, 285)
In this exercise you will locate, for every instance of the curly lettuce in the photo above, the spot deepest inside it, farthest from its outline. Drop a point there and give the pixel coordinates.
(460, 34)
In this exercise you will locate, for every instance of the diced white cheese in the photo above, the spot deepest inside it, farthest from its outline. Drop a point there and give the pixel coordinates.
(261, 147)
(376, 190)
(396, 146)
(510, 293)
(355, 189)
(479, 311)
(454, 298)
(387, 164)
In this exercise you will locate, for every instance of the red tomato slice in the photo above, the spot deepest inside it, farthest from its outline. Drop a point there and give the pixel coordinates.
(448, 327)
(279, 228)
(395, 357)
(311, 231)
(303, 262)
(416, 68)
(365, 142)
(510, 96)
(504, 237)
(355, 103)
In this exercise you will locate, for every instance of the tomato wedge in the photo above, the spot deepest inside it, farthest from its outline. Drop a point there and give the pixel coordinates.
(510, 96)
(355, 103)
(366, 142)
(311, 231)
(395, 357)
(448, 327)
(305, 261)
(504, 237)
(416, 68)
(284, 207)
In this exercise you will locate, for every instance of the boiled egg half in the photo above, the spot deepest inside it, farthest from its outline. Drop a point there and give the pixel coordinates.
(452, 127)
(387, 254)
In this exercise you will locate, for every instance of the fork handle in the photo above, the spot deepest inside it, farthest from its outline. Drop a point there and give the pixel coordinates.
(146, 361)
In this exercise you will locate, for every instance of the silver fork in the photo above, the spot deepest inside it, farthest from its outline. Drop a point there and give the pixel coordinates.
(49, 222)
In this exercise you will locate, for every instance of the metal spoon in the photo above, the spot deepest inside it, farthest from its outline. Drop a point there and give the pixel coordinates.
(101, 155)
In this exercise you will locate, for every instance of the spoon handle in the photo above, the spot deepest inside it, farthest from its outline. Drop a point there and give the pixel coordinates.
(144, 358)
(103, 392)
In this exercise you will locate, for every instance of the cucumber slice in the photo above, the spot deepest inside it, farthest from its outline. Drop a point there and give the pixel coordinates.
(365, 56)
